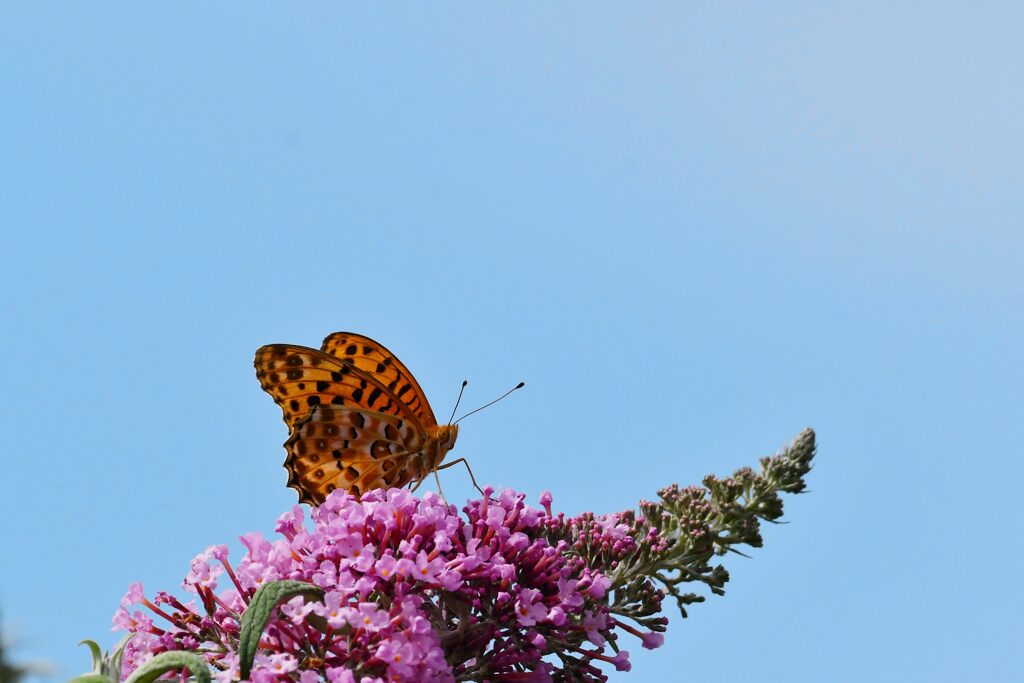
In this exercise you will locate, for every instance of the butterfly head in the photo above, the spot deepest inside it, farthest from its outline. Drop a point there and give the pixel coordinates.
(446, 435)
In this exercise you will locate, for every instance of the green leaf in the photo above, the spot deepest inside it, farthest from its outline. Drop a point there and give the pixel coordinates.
(92, 678)
(115, 659)
(97, 654)
(169, 661)
(255, 619)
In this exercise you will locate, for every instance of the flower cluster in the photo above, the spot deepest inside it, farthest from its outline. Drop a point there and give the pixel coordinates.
(412, 591)
(390, 588)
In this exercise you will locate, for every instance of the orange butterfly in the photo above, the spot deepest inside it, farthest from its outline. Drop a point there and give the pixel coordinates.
(358, 419)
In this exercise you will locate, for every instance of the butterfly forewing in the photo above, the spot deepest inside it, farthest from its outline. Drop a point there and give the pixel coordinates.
(300, 378)
(375, 360)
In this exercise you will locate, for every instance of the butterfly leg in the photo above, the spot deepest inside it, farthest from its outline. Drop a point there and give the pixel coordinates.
(468, 469)
(439, 491)
(419, 483)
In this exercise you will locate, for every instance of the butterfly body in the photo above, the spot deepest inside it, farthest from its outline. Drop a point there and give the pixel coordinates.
(357, 418)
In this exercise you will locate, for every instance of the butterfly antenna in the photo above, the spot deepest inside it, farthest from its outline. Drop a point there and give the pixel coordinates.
(518, 386)
(464, 383)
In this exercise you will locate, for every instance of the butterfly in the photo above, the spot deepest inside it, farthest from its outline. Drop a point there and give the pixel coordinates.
(357, 418)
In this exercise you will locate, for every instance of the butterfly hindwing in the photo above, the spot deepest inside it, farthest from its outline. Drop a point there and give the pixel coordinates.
(350, 448)
(376, 361)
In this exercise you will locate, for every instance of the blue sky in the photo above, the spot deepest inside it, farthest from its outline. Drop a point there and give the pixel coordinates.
(692, 231)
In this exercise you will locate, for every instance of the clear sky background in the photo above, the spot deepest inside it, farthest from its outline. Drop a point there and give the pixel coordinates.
(693, 231)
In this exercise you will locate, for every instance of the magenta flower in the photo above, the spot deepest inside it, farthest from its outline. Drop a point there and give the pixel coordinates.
(529, 612)
(333, 609)
(621, 661)
(133, 595)
(652, 640)
(368, 617)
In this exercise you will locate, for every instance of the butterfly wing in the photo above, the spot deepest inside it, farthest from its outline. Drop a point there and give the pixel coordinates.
(299, 379)
(376, 361)
(355, 420)
(349, 448)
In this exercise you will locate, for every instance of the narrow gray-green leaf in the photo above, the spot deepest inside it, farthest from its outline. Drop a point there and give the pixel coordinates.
(169, 661)
(97, 654)
(92, 678)
(115, 659)
(256, 616)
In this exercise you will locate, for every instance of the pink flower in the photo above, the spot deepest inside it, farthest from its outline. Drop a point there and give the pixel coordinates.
(297, 609)
(258, 548)
(279, 664)
(254, 575)
(365, 585)
(450, 580)
(517, 541)
(122, 620)
(621, 661)
(385, 566)
(495, 517)
(593, 624)
(405, 568)
(261, 674)
(599, 587)
(652, 640)
(528, 611)
(442, 541)
(545, 501)
(368, 617)
(202, 572)
(567, 593)
(331, 609)
(363, 559)
(426, 569)
(340, 675)
(612, 528)
(134, 595)
(326, 574)
(290, 523)
(399, 656)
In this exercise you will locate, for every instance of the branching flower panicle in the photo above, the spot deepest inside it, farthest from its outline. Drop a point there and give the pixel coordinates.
(391, 587)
